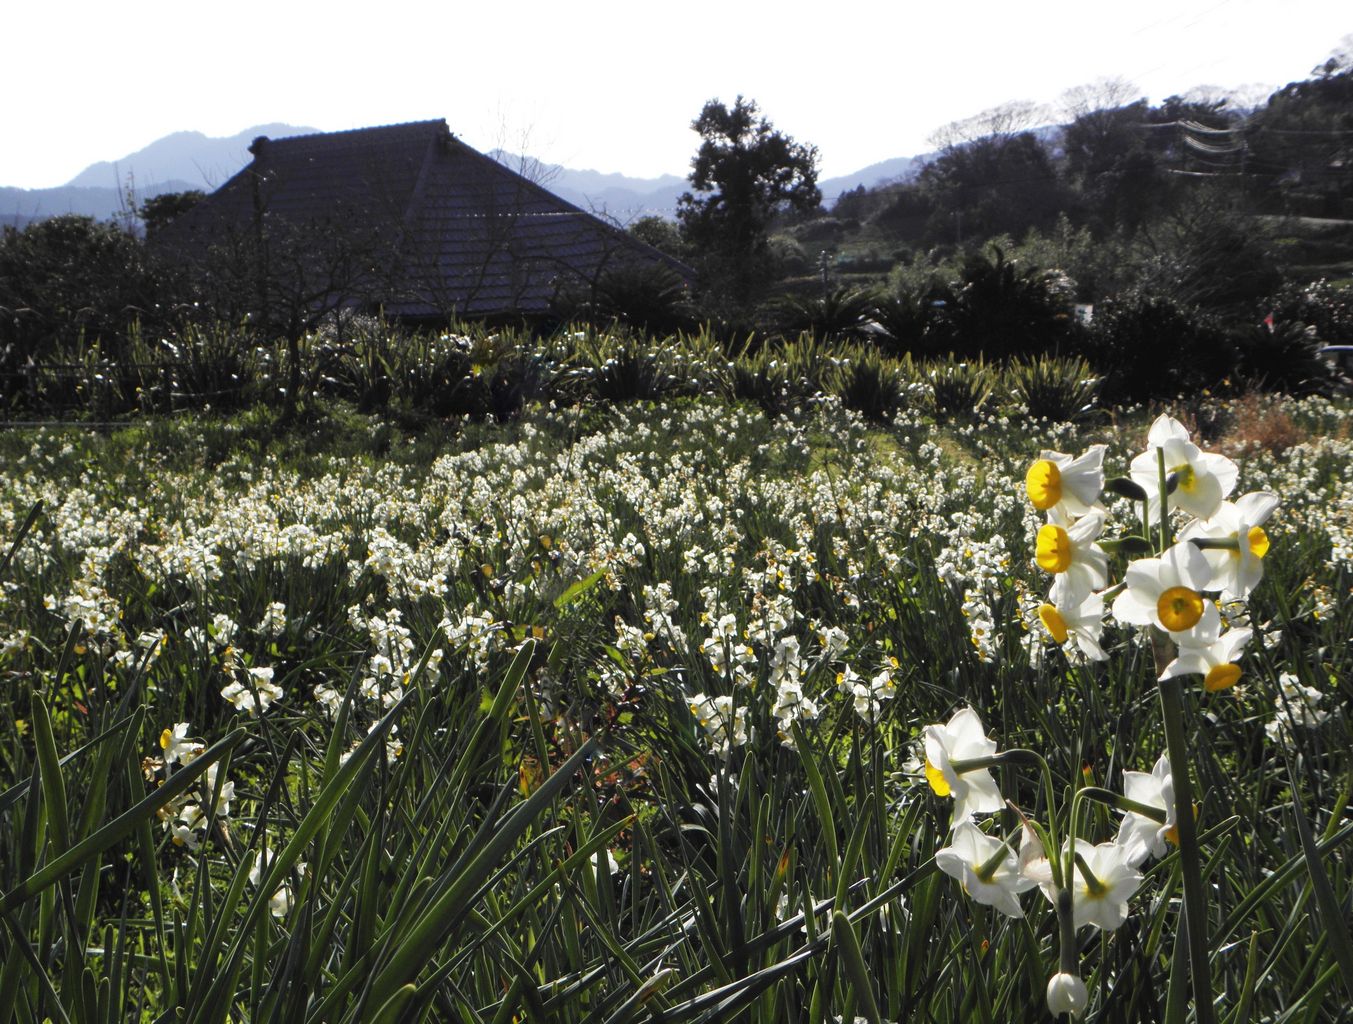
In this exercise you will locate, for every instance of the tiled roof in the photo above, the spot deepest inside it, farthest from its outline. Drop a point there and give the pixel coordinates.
(469, 235)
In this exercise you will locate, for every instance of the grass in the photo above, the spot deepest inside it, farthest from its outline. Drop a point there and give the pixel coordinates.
(486, 790)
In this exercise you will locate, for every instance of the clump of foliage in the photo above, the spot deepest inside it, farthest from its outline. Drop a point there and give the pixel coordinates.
(1280, 357)
(645, 297)
(1061, 390)
(873, 386)
(1147, 346)
(70, 282)
(960, 388)
(835, 314)
(1001, 308)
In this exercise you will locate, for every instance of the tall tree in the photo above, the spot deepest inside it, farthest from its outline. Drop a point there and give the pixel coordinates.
(998, 184)
(744, 173)
(1106, 148)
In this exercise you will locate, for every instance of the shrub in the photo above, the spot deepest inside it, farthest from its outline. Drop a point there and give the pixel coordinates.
(839, 313)
(1149, 346)
(67, 279)
(1002, 308)
(647, 297)
(872, 387)
(1258, 422)
(524, 376)
(1056, 388)
(212, 364)
(1280, 358)
(624, 368)
(961, 389)
(760, 378)
(777, 377)
(912, 322)
(813, 365)
(1326, 308)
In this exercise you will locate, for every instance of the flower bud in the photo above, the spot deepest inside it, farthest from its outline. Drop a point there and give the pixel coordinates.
(1067, 994)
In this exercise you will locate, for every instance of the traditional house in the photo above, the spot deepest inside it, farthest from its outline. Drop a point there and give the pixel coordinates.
(405, 218)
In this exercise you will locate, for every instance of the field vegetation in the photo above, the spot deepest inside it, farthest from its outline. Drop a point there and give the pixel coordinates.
(617, 710)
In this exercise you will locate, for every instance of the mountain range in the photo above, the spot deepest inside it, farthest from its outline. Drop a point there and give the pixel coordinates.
(191, 160)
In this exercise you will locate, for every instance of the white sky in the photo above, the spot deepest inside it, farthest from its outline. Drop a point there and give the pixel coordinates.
(602, 84)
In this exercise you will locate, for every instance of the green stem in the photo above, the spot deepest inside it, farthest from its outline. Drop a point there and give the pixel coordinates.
(1066, 928)
(1119, 802)
(1164, 501)
(1190, 860)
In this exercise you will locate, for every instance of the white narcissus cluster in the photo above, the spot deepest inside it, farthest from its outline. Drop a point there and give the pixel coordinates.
(1173, 588)
(1145, 835)
(958, 756)
(724, 723)
(252, 690)
(177, 746)
(1219, 554)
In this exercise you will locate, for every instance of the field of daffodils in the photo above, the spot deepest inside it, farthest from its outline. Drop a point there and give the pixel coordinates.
(677, 712)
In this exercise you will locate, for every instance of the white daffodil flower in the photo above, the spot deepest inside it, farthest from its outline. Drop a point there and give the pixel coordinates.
(183, 829)
(256, 698)
(1069, 485)
(177, 746)
(1139, 834)
(1203, 478)
(725, 725)
(1070, 552)
(1101, 899)
(1206, 651)
(1068, 616)
(1067, 994)
(612, 865)
(961, 739)
(986, 867)
(1164, 591)
(227, 794)
(1236, 571)
(1298, 706)
(280, 902)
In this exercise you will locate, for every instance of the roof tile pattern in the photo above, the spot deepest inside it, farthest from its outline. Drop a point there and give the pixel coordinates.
(468, 235)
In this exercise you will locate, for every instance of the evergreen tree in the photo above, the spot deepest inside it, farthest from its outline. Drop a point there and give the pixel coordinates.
(744, 173)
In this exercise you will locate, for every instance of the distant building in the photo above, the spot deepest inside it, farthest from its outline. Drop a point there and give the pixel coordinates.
(405, 218)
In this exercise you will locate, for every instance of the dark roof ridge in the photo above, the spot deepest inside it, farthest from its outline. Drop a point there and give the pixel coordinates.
(436, 125)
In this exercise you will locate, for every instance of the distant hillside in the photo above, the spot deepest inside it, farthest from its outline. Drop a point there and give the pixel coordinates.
(21, 206)
(627, 199)
(175, 163)
(203, 161)
(901, 168)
